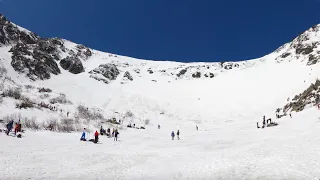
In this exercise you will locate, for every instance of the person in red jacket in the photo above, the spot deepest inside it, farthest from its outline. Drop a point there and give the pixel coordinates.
(16, 128)
(96, 137)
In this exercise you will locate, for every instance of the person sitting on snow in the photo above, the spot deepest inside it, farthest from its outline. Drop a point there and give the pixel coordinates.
(83, 136)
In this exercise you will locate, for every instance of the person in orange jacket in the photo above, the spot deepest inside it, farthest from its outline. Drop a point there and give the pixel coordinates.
(96, 137)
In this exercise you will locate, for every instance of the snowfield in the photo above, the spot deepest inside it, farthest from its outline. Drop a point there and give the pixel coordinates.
(225, 100)
(288, 151)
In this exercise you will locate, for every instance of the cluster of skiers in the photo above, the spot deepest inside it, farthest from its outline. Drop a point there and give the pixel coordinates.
(14, 125)
(114, 134)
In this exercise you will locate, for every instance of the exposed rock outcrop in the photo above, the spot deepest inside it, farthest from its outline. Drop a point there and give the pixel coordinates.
(109, 72)
(11, 33)
(72, 64)
(311, 96)
(127, 76)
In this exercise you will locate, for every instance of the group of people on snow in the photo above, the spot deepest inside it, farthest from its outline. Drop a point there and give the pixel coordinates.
(114, 134)
(173, 135)
(16, 125)
(266, 122)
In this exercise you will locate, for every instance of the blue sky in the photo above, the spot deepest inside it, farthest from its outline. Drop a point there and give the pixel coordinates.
(179, 30)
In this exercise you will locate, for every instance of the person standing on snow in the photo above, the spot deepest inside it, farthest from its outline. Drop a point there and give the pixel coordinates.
(83, 136)
(16, 128)
(116, 135)
(172, 135)
(108, 132)
(96, 137)
(178, 133)
(20, 127)
(197, 127)
(158, 126)
(9, 127)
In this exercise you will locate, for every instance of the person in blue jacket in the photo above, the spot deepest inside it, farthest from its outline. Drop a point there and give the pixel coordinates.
(172, 135)
(83, 136)
(9, 127)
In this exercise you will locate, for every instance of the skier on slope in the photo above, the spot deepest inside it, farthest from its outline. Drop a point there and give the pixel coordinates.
(197, 127)
(172, 135)
(96, 137)
(83, 136)
(158, 126)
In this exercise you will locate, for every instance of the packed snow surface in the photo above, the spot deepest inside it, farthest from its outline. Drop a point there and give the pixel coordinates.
(287, 151)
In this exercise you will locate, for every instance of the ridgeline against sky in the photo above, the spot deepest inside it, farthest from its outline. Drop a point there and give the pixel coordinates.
(180, 30)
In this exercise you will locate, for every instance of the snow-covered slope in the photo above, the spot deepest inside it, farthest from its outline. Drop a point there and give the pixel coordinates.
(224, 99)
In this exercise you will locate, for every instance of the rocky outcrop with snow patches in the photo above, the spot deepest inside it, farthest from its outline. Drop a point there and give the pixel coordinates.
(304, 48)
(105, 73)
(310, 96)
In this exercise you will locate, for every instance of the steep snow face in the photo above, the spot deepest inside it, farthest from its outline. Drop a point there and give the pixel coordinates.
(195, 92)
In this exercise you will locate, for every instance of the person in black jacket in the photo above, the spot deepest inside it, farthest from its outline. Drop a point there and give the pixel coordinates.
(116, 133)
(178, 133)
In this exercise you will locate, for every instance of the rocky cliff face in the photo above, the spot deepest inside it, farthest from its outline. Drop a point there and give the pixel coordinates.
(41, 58)
(11, 33)
(306, 47)
(38, 57)
(311, 96)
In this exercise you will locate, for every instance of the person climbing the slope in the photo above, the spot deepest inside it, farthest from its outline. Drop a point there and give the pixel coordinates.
(9, 127)
(96, 137)
(83, 136)
(172, 135)
(178, 133)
